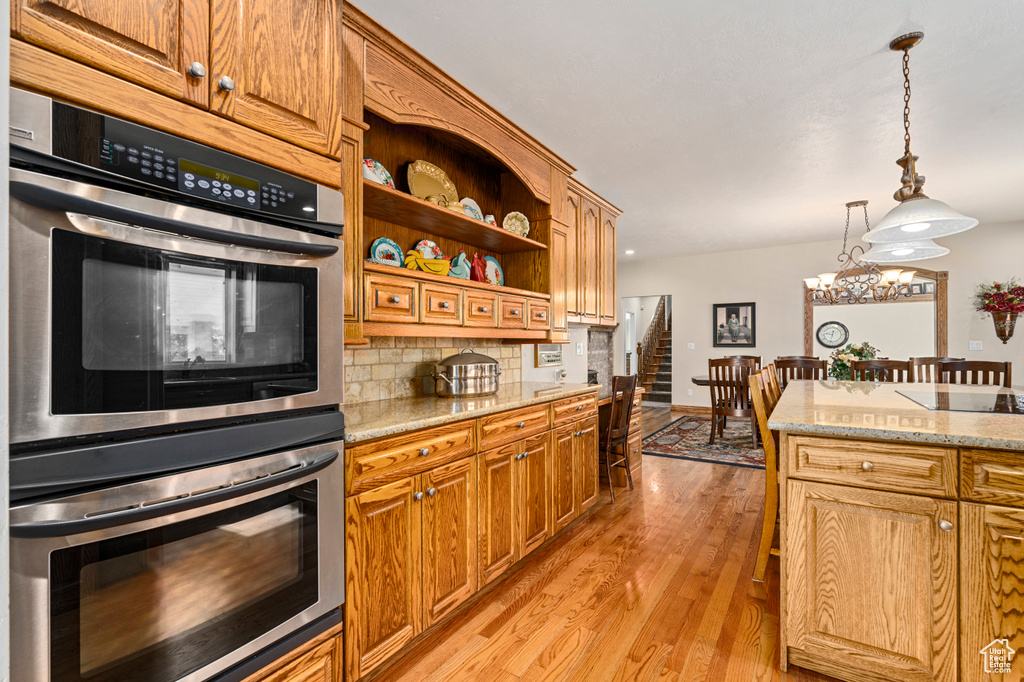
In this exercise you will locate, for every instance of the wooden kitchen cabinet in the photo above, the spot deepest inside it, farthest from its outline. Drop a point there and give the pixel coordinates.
(586, 459)
(591, 272)
(606, 270)
(449, 538)
(572, 281)
(875, 594)
(587, 249)
(281, 58)
(515, 503)
(991, 585)
(563, 478)
(319, 660)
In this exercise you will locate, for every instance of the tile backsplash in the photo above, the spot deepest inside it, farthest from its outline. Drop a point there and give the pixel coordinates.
(397, 367)
(599, 355)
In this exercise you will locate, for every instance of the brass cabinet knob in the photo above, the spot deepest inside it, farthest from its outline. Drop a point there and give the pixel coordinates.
(424, 452)
(417, 496)
(945, 525)
(196, 70)
(867, 466)
(226, 84)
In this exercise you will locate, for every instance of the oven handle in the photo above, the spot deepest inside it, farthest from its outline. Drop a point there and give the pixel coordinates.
(56, 529)
(54, 200)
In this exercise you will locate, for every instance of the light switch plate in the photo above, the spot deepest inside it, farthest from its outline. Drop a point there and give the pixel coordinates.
(975, 345)
(690, 346)
(689, 391)
(579, 348)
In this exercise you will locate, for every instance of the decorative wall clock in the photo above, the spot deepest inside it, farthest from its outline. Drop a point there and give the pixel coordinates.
(833, 334)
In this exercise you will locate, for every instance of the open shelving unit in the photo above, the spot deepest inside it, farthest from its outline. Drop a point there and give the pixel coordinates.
(370, 266)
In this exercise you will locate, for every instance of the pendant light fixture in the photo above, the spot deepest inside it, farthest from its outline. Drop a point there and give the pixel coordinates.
(905, 233)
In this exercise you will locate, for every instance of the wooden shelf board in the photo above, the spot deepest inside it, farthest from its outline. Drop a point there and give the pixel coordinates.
(370, 266)
(406, 210)
(437, 330)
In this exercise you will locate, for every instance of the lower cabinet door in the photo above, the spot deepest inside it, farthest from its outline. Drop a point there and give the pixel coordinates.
(563, 488)
(320, 662)
(449, 538)
(871, 583)
(991, 593)
(587, 489)
(383, 591)
(534, 492)
(496, 511)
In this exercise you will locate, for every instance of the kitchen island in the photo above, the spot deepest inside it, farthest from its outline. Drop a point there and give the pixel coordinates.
(901, 531)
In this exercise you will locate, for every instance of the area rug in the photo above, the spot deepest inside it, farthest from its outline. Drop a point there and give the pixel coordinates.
(687, 438)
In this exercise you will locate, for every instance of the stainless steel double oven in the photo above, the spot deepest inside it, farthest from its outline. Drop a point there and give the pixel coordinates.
(176, 388)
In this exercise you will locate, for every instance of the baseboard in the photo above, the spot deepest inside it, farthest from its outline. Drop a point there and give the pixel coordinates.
(692, 410)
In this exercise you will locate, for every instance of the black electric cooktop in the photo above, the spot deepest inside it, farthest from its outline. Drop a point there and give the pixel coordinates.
(956, 398)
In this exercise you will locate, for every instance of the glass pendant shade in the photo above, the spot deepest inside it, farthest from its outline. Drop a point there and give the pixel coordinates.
(917, 219)
(901, 252)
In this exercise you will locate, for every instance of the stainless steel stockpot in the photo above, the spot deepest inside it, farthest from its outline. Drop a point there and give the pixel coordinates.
(466, 374)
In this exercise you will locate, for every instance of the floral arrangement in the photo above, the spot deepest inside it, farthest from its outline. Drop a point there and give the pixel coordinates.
(1000, 297)
(839, 361)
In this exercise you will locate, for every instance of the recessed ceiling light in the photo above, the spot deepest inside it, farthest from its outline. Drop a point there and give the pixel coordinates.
(630, 252)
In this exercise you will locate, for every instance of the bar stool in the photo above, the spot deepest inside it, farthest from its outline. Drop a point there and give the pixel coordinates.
(623, 388)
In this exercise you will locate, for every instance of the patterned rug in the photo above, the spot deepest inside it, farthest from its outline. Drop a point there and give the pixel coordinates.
(687, 438)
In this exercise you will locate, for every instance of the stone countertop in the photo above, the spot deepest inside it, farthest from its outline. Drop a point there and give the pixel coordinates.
(366, 421)
(860, 409)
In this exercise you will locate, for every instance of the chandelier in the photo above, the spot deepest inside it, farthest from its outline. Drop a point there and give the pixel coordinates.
(856, 277)
(906, 232)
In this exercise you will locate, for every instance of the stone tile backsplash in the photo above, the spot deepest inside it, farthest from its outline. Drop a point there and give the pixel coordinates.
(599, 355)
(397, 367)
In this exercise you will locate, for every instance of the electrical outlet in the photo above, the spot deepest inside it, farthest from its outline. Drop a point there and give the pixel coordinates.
(975, 345)
(579, 348)
(689, 391)
(690, 346)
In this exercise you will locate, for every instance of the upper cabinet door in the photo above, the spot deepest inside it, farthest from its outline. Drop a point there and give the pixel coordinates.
(588, 237)
(606, 269)
(277, 67)
(148, 42)
(572, 283)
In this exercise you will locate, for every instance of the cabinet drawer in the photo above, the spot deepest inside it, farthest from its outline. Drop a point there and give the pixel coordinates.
(440, 304)
(570, 409)
(513, 313)
(540, 315)
(481, 310)
(633, 451)
(506, 427)
(885, 466)
(992, 476)
(391, 299)
(372, 465)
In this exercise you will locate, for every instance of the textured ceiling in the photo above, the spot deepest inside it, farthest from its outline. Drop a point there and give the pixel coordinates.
(719, 125)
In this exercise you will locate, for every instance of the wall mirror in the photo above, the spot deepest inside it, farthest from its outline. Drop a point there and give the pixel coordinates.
(913, 326)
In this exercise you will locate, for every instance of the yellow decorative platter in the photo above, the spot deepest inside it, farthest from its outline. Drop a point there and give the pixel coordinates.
(427, 180)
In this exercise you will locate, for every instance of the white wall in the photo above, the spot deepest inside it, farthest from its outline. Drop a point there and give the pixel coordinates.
(574, 365)
(899, 330)
(772, 277)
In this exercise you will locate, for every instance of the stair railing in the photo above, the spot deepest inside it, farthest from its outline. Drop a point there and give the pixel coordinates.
(645, 350)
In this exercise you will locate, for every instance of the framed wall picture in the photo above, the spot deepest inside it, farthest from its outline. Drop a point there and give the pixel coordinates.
(734, 325)
(929, 287)
(917, 289)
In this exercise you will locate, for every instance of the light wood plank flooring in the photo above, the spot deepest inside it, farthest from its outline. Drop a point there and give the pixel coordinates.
(655, 587)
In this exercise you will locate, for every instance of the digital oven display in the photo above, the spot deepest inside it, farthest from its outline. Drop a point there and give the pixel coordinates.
(211, 183)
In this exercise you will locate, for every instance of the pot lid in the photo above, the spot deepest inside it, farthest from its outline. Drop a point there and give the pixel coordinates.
(467, 357)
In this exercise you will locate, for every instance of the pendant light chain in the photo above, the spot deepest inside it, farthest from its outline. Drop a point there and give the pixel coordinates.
(847, 232)
(906, 99)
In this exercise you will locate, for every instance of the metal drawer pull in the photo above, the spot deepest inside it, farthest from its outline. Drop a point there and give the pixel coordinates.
(518, 457)
(635, 423)
(526, 455)
(945, 525)
(444, 304)
(424, 452)
(226, 84)
(417, 496)
(393, 299)
(516, 313)
(196, 70)
(521, 425)
(579, 408)
(540, 316)
(431, 491)
(483, 309)
(867, 466)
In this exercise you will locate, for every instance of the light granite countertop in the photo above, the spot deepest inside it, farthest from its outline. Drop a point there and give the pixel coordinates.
(366, 421)
(858, 409)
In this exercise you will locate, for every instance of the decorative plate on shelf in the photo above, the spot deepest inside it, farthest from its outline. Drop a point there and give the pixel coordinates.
(375, 172)
(516, 223)
(493, 270)
(384, 250)
(471, 208)
(427, 180)
(428, 249)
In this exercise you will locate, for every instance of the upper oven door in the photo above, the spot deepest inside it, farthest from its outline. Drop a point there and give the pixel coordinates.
(129, 312)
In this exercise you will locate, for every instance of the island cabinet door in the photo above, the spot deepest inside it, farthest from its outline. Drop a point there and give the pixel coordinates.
(449, 538)
(587, 470)
(497, 511)
(383, 596)
(991, 593)
(871, 583)
(535, 493)
(563, 479)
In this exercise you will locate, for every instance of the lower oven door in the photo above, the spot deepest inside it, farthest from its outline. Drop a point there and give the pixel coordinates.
(179, 578)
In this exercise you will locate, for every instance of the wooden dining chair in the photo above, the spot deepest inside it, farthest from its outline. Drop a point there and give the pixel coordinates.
(771, 396)
(772, 376)
(755, 358)
(926, 370)
(614, 441)
(729, 379)
(890, 371)
(977, 372)
(804, 367)
(759, 395)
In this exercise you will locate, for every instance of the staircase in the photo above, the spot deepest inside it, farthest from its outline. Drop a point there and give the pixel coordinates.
(658, 382)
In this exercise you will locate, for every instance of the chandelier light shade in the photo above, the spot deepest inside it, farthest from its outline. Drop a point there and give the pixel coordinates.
(917, 219)
(901, 252)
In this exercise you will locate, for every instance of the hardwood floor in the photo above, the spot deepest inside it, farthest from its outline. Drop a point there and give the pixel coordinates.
(655, 587)
(656, 418)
